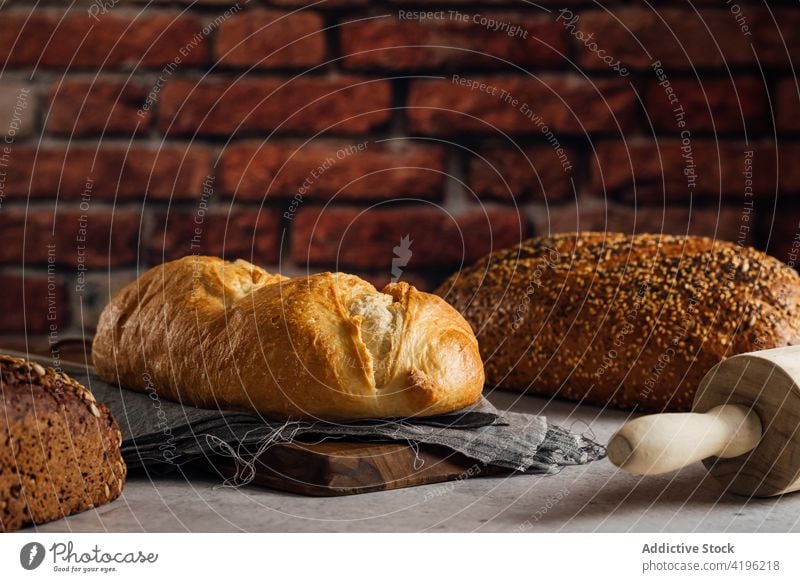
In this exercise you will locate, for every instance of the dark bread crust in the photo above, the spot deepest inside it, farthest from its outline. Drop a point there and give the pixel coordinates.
(59, 448)
(629, 322)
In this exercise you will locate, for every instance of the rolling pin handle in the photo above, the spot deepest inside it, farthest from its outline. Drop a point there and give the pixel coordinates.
(660, 443)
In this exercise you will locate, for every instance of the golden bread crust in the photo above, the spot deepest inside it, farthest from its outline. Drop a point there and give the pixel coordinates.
(216, 334)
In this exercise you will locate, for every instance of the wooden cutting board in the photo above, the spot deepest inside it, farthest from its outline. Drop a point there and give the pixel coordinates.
(328, 468)
(346, 468)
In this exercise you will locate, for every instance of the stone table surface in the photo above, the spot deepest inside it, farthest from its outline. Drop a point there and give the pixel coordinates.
(594, 497)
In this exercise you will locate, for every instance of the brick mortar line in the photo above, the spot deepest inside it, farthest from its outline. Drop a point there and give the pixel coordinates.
(150, 74)
(572, 140)
(181, 206)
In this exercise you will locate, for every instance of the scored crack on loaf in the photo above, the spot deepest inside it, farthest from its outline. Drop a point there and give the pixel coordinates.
(229, 335)
(611, 319)
(61, 448)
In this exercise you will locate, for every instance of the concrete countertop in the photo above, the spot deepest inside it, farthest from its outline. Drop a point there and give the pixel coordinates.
(594, 497)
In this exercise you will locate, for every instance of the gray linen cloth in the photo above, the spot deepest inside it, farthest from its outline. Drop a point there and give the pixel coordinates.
(158, 433)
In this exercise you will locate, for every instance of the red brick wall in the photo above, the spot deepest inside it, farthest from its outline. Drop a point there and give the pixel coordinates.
(319, 139)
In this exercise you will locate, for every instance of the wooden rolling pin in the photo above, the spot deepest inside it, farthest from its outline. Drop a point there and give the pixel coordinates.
(745, 427)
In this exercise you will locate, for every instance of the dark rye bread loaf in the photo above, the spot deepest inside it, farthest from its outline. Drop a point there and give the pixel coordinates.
(628, 322)
(59, 450)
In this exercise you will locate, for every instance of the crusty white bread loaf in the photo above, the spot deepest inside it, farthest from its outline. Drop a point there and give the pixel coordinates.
(216, 334)
(59, 447)
(623, 321)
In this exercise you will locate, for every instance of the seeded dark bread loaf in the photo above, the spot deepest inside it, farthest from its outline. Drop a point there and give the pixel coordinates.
(59, 448)
(628, 322)
(216, 334)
